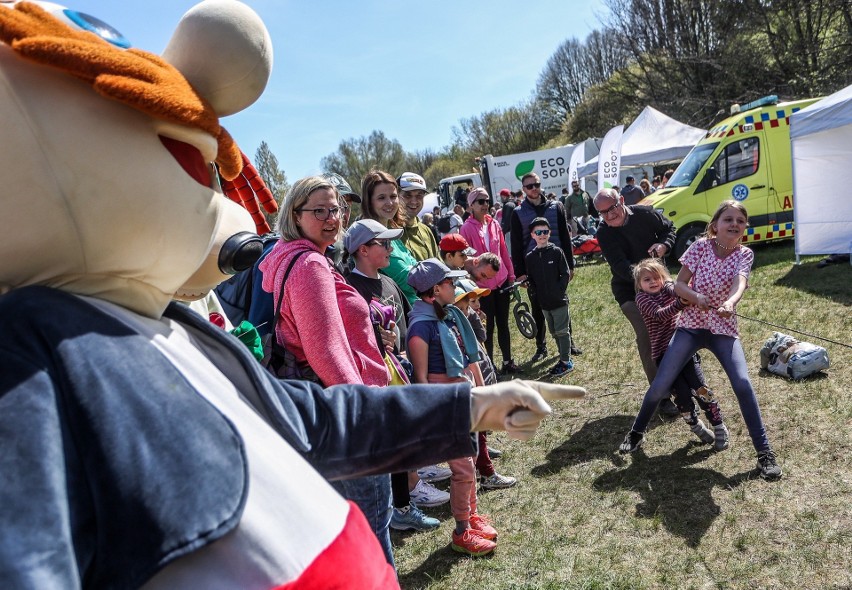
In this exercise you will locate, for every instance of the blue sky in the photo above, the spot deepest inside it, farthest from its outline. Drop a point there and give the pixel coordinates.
(410, 69)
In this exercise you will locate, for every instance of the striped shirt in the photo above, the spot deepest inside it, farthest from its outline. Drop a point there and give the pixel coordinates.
(660, 311)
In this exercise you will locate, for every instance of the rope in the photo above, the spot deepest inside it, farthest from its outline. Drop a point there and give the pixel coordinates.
(786, 329)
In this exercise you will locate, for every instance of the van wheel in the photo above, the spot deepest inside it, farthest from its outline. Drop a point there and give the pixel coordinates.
(685, 238)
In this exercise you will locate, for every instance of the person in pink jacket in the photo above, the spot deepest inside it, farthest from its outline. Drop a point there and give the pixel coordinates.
(325, 322)
(484, 234)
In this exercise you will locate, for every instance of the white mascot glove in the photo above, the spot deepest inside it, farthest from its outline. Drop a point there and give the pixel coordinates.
(516, 406)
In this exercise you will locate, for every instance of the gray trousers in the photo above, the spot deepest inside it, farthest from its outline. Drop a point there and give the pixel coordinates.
(643, 341)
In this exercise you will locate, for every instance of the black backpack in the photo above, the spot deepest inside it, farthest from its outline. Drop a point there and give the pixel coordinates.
(235, 294)
(443, 223)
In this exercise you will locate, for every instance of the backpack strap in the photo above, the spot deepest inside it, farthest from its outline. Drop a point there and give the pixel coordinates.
(281, 293)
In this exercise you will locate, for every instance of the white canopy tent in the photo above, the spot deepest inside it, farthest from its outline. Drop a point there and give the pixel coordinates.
(653, 138)
(821, 137)
(430, 201)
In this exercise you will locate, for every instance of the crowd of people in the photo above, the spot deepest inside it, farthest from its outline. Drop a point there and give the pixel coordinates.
(391, 298)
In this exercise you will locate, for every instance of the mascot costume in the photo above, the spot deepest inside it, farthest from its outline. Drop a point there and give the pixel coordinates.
(140, 445)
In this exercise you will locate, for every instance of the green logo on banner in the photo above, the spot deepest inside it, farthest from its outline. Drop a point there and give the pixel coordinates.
(524, 168)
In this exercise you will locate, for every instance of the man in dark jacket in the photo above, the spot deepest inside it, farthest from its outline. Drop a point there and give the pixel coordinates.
(632, 194)
(535, 205)
(548, 275)
(627, 235)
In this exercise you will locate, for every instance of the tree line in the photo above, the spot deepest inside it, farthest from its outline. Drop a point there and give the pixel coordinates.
(690, 59)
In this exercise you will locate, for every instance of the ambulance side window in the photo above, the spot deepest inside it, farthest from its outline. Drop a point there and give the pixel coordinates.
(738, 160)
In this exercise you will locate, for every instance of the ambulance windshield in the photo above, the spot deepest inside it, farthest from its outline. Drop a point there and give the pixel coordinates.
(694, 161)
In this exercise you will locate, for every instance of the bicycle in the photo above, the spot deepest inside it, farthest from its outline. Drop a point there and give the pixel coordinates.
(521, 311)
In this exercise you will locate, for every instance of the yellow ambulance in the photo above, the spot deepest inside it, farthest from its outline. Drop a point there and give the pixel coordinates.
(746, 157)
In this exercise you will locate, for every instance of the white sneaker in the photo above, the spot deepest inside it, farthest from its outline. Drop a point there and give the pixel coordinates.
(433, 473)
(425, 494)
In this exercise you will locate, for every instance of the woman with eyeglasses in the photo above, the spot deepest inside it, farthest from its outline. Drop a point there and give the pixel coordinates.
(324, 321)
(484, 234)
(380, 195)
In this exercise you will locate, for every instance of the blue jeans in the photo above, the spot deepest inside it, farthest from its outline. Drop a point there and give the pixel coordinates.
(372, 494)
(729, 351)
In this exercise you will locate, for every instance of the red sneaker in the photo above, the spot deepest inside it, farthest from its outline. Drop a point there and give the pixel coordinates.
(482, 525)
(472, 543)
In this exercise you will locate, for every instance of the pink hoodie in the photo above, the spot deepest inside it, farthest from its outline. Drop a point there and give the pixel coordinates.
(324, 320)
(474, 232)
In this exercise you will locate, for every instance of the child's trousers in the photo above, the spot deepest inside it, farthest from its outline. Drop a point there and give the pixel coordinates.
(558, 322)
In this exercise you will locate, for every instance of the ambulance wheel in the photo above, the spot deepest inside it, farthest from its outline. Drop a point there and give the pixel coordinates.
(685, 238)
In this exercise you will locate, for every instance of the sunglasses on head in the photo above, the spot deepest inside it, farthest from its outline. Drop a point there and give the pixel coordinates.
(541, 232)
(532, 185)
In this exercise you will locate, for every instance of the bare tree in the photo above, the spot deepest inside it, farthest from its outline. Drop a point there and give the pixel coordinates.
(355, 157)
(522, 128)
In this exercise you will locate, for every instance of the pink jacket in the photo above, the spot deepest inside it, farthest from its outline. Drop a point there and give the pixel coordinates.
(473, 232)
(324, 320)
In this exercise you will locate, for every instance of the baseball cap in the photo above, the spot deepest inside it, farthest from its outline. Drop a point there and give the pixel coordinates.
(364, 230)
(477, 193)
(467, 287)
(409, 181)
(628, 178)
(504, 192)
(455, 243)
(427, 273)
(341, 185)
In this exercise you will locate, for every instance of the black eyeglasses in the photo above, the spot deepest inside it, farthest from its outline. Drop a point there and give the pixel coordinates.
(383, 243)
(532, 185)
(541, 232)
(482, 202)
(606, 212)
(323, 213)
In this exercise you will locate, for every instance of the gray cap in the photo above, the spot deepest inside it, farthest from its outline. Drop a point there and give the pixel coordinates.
(341, 185)
(364, 230)
(428, 273)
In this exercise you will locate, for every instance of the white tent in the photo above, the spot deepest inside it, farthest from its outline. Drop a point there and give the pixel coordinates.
(821, 137)
(653, 138)
(430, 201)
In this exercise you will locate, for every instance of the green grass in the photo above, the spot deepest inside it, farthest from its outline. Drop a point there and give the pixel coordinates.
(675, 515)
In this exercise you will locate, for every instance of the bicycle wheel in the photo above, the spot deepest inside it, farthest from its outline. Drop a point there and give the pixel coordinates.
(525, 321)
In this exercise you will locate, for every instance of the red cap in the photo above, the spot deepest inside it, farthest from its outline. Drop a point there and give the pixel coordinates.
(505, 192)
(456, 243)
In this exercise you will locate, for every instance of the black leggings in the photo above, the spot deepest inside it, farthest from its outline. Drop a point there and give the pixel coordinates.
(496, 308)
(399, 489)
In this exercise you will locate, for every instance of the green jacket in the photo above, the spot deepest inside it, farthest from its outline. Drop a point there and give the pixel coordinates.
(401, 262)
(420, 241)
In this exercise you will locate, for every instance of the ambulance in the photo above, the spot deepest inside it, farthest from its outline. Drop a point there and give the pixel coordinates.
(746, 157)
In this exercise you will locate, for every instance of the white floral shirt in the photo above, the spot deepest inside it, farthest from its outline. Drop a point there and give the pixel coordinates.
(713, 277)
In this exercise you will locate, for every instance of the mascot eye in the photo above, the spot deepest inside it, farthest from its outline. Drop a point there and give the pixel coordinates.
(98, 27)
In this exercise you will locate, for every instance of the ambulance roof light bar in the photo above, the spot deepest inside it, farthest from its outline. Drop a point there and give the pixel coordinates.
(760, 102)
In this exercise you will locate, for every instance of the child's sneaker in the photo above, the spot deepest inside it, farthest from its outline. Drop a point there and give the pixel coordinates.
(721, 437)
(482, 526)
(702, 432)
(433, 473)
(561, 368)
(769, 468)
(471, 543)
(632, 442)
(425, 494)
(411, 518)
(495, 481)
(510, 368)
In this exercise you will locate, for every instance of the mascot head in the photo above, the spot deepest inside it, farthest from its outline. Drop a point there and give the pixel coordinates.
(112, 156)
